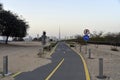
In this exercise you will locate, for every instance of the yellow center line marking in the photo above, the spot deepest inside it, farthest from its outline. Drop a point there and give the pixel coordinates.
(56, 68)
(16, 74)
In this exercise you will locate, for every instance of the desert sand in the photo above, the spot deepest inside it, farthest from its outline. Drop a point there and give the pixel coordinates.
(111, 61)
(22, 57)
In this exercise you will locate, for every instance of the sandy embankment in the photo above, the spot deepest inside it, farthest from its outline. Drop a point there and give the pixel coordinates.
(111, 60)
(22, 57)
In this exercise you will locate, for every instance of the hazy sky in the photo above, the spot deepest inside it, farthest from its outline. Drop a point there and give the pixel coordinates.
(72, 16)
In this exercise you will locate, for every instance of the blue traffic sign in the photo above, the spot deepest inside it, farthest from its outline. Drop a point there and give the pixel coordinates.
(86, 37)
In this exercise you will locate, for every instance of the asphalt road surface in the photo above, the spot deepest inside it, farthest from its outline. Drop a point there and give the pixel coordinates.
(66, 65)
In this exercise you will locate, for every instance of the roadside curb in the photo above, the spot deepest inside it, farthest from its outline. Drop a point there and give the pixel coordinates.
(16, 74)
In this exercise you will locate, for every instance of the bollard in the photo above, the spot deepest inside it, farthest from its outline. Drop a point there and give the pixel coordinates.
(86, 48)
(89, 54)
(101, 76)
(5, 64)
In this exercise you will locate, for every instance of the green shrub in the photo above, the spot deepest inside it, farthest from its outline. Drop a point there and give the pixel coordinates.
(49, 47)
(72, 45)
(114, 49)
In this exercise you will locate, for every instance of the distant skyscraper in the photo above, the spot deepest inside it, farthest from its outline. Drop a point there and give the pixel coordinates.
(59, 34)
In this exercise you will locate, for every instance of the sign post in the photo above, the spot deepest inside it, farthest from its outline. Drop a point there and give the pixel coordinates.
(86, 31)
(86, 37)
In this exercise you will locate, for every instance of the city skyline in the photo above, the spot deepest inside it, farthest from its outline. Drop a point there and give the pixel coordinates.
(72, 17)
